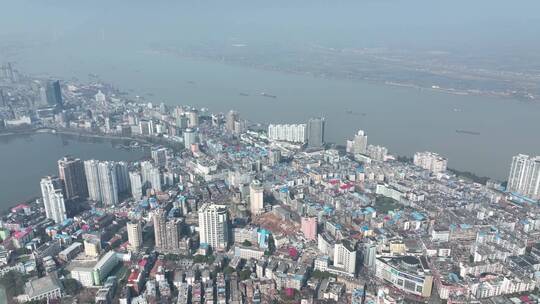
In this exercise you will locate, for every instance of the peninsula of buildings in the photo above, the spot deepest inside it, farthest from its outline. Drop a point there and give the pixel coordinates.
(222, 212)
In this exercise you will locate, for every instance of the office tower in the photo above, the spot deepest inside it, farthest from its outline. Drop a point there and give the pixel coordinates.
(309, 227)
(358, 145)
(135, 237)
(160, 221)
(193, 118)
(190, 138)
(92, 179)
(315, 132)
(71, 172)
(136, 185)
(214, 226)
(108, 183)
(296, 133)
(159, 155)
(345, 257)
(122, 177)
(230, 120)
(53, 199)
(524, 177)
(54, 93)
(430, 161)
(256, 198)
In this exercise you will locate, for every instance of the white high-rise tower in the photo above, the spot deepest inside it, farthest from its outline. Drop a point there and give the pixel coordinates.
(53, 198)
(256, 198)
(214, 226)
(524, 177)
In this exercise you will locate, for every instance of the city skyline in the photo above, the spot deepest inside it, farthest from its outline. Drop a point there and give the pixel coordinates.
(298, 152)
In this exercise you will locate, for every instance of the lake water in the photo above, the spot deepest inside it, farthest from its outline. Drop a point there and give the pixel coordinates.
(24, 159)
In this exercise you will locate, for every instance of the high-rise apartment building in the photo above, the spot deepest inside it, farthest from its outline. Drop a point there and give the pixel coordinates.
(230, 119)
(309, 227)
(108, 183)
(370, 255)
(92, 179)
(345, 257)
(151, 176)
(71, 172)
(190, 138)
(166, 232)
(377, 152)
(160, 221)
(102, 180)
(122, 177)
(159, 156)
(53, 198)
(214, 226)
(135, 237)
(146, 127)
(288, 132)
(315, 132)
(358, 145)
(136, 185)
(524, 176)
(256, 198)
(193, 118)
(430, 161)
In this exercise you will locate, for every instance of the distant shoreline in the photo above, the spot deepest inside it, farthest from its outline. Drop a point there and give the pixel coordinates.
(52, 131)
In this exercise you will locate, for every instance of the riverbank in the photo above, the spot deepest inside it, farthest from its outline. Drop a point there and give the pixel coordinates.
(33, 155)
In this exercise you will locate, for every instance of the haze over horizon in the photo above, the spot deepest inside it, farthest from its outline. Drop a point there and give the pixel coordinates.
(492, 27)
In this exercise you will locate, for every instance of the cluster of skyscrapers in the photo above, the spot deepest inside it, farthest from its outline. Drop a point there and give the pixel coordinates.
(100, 181)
(524, 177)
(106, 180)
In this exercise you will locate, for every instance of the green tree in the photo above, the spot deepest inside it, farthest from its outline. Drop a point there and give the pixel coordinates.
(244, 274)
(247, 243)
(317, 274)
(72, 286)
(228, 270)
(13, 282)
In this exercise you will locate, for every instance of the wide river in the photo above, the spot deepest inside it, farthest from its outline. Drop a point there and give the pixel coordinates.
(24, 159)
(405, 120)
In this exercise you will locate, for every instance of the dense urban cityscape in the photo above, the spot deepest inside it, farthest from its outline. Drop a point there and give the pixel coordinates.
(224, 210)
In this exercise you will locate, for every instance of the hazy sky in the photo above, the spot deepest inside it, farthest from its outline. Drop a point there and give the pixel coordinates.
(479, 25)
